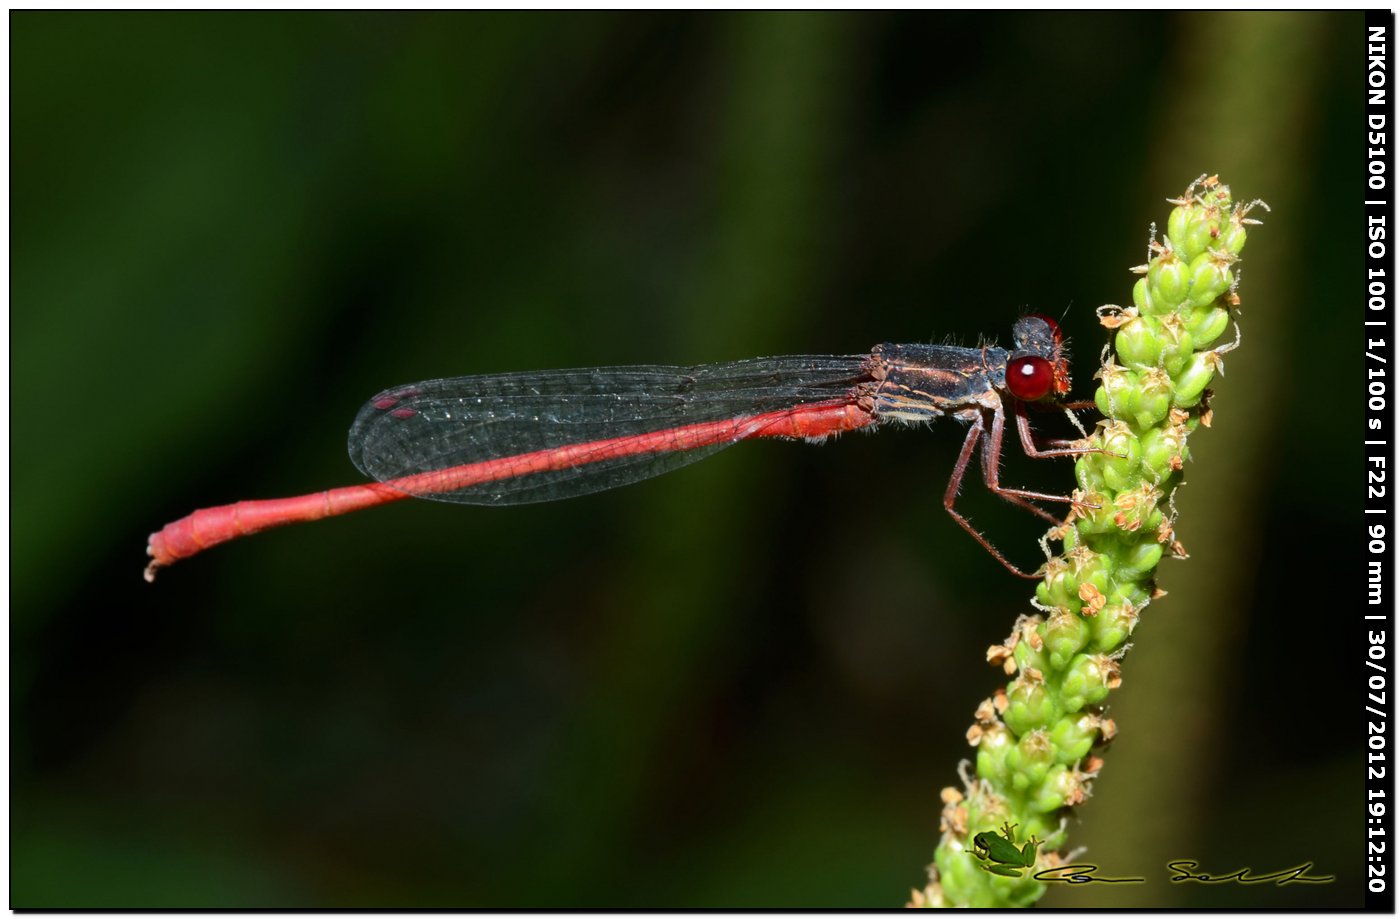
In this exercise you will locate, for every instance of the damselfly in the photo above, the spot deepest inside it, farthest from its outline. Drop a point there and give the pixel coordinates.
(517, 438)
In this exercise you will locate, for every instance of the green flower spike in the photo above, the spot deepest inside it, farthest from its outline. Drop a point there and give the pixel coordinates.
(1035, 738)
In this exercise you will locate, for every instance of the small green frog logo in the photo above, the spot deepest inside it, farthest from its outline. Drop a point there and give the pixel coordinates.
(999, 853)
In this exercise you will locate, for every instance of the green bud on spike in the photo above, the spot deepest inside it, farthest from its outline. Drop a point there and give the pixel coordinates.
(1207, 323)
(1227, 278)
(1030, 760)
(1154, 401)
(1118, 480)
(1154, 520)
(1232, 237)
(1193, 380)
(1146, 300)
(1062, 591)
(1120, 390)
(1066, 634)
(1029, 705)
(1138, 343)
(1113, 625)
(1090, 567)
(1123, 454)
(1098, 518)
(1134, 507)
(1176, 227)
(1163, 450)
(1052, 793)
(1028, 657)
(1074, 737)
(1209, 279)
(1177, 344)
(1087, 681)
(992, 746)
(1142, 559)
(1172, 281)
(1197, 239)
(1088, 472)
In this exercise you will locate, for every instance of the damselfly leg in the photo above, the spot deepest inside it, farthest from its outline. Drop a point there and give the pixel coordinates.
(988, 427)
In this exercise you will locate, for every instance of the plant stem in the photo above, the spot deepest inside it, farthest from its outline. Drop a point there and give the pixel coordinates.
(1036, 737)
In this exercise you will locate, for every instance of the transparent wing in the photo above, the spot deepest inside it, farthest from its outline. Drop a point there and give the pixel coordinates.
(518, 438)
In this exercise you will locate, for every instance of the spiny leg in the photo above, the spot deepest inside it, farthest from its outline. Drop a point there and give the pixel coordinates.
(1023, 427)
(1070, 408)
(991, 466)
(950, 497)
(991, 460)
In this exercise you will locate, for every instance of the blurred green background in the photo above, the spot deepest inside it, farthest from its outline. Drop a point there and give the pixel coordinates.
(742, 684)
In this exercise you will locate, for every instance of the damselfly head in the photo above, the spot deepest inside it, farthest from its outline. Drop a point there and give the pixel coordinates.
(1038, 368)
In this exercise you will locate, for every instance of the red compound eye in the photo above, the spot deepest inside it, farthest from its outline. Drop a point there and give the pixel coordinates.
(1030, 378)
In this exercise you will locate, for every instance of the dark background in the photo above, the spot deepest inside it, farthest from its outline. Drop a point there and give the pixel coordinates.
(742, 684)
